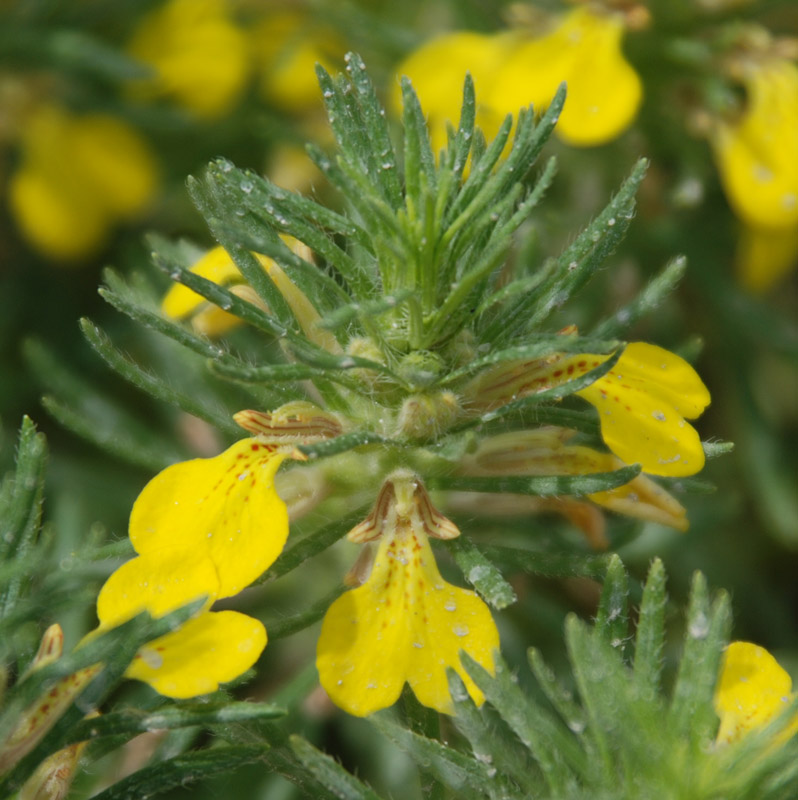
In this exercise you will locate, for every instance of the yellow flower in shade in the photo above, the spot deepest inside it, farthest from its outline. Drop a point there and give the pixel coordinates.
(752, 690)
(180, 302)
(643, 402)
(199, 56)
(79, 176)
(545, 451)
(759, 171)
(437, 69)
(405, 624)
(584, 50)
(287, 45)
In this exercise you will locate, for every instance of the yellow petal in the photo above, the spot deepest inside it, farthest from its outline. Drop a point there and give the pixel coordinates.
(200, 56)
(158, 582)
(225, 507)
(584, 50)
(752, 689)
(765, 256)
(756, 155)
(287, 46)
(213, 648)
(405, 624)
(437, 70)
(116, 161)
(62, 222)
(642, 403)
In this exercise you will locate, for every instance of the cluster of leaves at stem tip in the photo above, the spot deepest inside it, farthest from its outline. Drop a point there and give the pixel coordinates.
(416, 264)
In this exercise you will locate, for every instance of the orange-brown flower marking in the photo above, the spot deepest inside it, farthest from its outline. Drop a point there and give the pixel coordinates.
(405, 623)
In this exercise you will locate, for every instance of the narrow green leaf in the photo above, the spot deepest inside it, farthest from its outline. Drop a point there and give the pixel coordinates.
(330, 773)
(541, 485)
(493, 743)
(554, 747)
(311, 545)
(550, 565)
(708, 625)
(481, 573)
(461, 773)
(152, 384)
(652, 295)
(650, 638)
(419, 159)
(181, 771)
(561, 698)
(612, 617)
(371, 308)
(340, 444)
(132, 721)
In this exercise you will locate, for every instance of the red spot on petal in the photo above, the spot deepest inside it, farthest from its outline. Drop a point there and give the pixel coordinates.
(571, 369)
(582, 364)
(255, 448)
(558, 373)
(595, 363)
(44, 708)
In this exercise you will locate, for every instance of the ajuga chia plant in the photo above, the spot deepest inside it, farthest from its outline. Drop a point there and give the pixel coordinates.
(392, 371)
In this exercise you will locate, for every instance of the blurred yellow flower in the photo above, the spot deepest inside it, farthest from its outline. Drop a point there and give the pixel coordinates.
(752, 689)
(584, 50)
(286, 45)
(216, 265)
(79, 176)
(199, 55)
(759, 170)
(511, 71)
(405, 623)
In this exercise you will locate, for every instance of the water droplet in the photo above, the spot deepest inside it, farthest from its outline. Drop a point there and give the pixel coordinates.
(450, 605)
(418, 645)
(460, 630)
(151, 658)
(225, 165)
(658, 415)
(611, 221)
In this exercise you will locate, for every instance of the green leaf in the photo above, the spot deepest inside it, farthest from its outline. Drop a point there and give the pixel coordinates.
(612, 617)
(286, 626)
(481, 573)
(650, 638)
(152, 384)
(550, 565)
(552, 745)
(181, 771)
(463, 774)
(541, 485)
(330, 773)
(652, 295)
(132, 721)
(692, 714)
(493, 743)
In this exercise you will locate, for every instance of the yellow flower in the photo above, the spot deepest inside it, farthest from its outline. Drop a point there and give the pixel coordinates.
(287, 45)
(584, 50)
(199, 55)
(642, 402)
(202, 528)
(545, 452)
(224, 508)
(79, 175)
(405, 623)
(752, 689)
(759, 171)
(437, 70)
(180, 302)
(511, 72)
